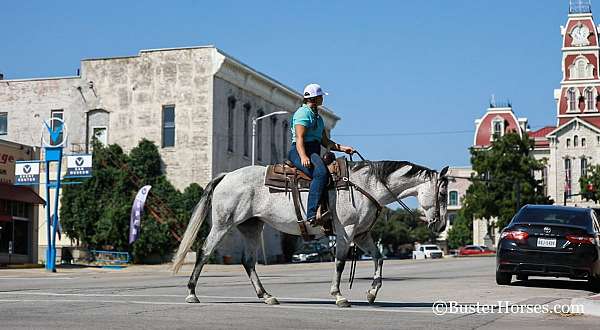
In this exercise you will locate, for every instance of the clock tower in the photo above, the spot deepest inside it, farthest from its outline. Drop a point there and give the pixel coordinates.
(580, 85)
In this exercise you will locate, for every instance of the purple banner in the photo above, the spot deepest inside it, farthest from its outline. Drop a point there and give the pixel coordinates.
(135, 223)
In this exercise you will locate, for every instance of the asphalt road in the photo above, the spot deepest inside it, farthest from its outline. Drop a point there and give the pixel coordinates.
(150, 297)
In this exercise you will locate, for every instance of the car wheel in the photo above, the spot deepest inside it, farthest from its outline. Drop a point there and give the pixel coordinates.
(503, 278)
(522, 277)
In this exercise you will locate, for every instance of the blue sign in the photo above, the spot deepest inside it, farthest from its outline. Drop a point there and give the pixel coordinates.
(79, 166)
(27, 173)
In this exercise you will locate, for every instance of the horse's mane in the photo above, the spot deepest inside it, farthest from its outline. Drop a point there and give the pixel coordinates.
(384, 168)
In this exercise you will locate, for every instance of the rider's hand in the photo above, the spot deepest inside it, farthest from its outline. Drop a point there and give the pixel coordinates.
(346, 149)
(305, 161)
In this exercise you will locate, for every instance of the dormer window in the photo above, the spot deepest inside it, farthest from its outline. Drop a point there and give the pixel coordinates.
(497, 128)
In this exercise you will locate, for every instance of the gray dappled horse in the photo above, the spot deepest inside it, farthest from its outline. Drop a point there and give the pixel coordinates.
(240, 199)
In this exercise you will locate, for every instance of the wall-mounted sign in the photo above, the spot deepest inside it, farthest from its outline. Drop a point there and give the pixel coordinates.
(79, 166)
(27, 173)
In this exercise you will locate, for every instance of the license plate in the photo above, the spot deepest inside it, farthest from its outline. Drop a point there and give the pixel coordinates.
(546, 242)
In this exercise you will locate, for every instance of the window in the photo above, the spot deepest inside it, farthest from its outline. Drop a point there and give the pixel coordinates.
(497, 128)
(453, 198)
(581, 69)
(284, 136)
(230, 122)
(568, 143)
(58, 114)
(583, 142)
(260, 113)
(101, 134)
(583, 167)
(568, 177)
(575, 141)
(168, 126)
(572, 97)
(3, 123)
(272, 140)
(589, 99)
(451, 218)
(247, 129)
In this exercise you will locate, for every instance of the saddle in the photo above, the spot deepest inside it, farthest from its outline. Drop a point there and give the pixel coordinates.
(285, 177)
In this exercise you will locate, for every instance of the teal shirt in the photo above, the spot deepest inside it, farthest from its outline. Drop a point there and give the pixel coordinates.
(314, 124)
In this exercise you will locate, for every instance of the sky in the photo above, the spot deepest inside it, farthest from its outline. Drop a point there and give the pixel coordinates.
(408, 78)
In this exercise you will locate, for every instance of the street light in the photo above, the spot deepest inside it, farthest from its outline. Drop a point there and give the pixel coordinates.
(254, 121)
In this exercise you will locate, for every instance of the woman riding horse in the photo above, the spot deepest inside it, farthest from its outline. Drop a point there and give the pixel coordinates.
(308, 135)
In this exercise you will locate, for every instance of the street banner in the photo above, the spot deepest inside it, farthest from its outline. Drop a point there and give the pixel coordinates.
(27, 173)
(79, 166)
(136, 213)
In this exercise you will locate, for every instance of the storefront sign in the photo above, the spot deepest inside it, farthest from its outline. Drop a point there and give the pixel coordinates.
(27, 173)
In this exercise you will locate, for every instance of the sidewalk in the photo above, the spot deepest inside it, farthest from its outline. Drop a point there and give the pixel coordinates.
(591, 304)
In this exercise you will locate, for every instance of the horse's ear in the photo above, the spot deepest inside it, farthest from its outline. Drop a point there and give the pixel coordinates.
(443, 172)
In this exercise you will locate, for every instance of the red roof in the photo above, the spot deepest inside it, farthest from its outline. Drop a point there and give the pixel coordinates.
(542, 132)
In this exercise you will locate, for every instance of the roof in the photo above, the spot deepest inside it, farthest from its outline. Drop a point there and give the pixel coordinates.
(542, 132)
(557, 207)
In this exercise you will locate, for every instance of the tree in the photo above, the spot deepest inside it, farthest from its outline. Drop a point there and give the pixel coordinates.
(505, 180)
(97, 212)
(589, 184)
(395, 228)
(461, 232)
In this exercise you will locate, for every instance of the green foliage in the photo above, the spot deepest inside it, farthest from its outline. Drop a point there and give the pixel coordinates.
(395, 228)
(506, 180)
(589, 184)
(97, 212)
(461, 232)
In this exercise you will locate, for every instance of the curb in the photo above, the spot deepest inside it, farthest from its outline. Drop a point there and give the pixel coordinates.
(591, 304)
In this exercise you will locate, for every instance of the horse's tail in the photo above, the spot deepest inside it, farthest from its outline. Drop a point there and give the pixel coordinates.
(201, 212)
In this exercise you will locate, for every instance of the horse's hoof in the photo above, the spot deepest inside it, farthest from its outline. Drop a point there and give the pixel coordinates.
(343, 303)
(192, 299)
(371, 297)
(271, 301)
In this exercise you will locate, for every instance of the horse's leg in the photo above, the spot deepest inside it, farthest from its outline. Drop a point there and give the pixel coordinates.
(342, 246)
(212, 241)
(365, 242)
(251, 230)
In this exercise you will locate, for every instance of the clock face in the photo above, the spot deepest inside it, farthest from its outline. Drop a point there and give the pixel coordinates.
(580, 35)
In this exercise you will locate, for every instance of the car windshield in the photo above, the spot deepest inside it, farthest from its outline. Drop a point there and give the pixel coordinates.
(310, 248)
(554, 216)
(431, 248)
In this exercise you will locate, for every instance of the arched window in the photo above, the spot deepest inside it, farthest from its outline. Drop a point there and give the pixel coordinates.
(247, 129)
(583, 167)
(284, 137)
(575, 141)
(572, 97)
(581, 68)
(589, 99)
(272, 141)
(568, 143)
(568, 177)
(497, 128)
(258, 146)
(230, 122)
(453, 198)
(583, 142)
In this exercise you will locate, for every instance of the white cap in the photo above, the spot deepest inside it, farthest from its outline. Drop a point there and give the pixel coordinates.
(313, 90)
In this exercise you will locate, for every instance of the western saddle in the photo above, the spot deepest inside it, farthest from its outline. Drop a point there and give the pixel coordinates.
(285, 177)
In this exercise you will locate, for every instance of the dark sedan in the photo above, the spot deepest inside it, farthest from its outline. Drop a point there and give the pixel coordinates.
(548, 240)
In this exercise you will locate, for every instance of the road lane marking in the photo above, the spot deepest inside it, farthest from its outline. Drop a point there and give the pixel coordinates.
(138, 302)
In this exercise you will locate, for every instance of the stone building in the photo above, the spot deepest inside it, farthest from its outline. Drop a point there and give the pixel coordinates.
(195, 103)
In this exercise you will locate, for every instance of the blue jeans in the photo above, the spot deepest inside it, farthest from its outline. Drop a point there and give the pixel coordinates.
(318, 171)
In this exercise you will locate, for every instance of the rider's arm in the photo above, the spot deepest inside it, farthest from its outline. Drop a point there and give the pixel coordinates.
(327, 143)
(300, 131)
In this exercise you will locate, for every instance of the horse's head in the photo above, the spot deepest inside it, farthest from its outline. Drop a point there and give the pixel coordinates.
(432, 196)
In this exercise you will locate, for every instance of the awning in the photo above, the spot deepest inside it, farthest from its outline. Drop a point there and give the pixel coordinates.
(20, 194)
